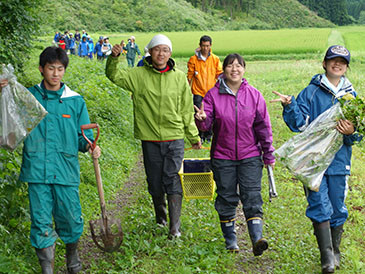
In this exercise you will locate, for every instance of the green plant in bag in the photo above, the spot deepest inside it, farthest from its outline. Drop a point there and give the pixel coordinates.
(353, 109)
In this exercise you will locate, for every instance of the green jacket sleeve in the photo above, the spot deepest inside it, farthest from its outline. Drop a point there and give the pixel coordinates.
(187, 112)
(119, 76)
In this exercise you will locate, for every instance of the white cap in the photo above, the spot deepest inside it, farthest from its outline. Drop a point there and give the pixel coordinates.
(159, 39)
(133, 38)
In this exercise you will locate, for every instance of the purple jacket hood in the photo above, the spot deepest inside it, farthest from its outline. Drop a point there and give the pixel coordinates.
(241, 123)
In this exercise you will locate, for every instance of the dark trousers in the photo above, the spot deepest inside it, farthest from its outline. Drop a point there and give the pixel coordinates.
(238, 180)
(204, 135)
(162, 162)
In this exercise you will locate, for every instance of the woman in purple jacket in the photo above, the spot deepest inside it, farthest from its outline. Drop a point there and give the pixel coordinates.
(241, 146)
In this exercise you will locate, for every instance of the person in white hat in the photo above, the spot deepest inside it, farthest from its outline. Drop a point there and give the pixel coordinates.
(132, 49)
(163, 116)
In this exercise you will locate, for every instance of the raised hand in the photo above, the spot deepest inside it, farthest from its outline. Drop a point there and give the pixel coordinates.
(117, 49)
(284, 99)
(200, 113)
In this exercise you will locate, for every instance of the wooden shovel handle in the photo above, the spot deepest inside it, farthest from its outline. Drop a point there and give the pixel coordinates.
(100, 188)
(96, 166)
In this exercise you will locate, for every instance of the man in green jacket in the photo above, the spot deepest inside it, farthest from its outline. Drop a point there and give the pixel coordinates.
(50, 163)
(163, 116)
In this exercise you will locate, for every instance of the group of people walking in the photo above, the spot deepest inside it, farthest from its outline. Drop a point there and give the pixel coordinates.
(83, 46)
(228, 111)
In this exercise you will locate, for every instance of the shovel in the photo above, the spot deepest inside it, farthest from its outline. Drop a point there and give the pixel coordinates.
(106, 233)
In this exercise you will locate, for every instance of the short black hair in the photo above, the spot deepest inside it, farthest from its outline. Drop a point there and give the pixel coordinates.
(230, 59)
(51, 55)
(205, 38)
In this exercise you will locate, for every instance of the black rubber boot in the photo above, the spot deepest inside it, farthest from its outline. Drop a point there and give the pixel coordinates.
(46, 258)
(336, 234)
(159, 204)
(324, 240)
(74, 264)
(174, 202)
(229, 234)
(259, 244)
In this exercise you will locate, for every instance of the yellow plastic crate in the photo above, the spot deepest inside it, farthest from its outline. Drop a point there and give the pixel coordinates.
(198, 184)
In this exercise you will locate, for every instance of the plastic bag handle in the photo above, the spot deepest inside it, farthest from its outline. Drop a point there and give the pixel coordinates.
(91, 126)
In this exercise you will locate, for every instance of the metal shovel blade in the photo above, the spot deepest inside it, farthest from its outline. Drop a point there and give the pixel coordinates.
(106, 234)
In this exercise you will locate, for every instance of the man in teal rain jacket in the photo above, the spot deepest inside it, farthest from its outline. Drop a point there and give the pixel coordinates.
(132, 49)
(50, 163)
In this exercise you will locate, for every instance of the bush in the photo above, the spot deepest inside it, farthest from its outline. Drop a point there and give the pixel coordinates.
(18, 25)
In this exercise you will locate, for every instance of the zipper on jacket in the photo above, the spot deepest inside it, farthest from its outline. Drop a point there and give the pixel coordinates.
(45, 147)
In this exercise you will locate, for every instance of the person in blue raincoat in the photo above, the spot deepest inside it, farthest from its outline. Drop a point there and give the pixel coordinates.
(83, 47)
(98, 49)
(50, 163)
(326, 208)
(90, 47)
(72, 44)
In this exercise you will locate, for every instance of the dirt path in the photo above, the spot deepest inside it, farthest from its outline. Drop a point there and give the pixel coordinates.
(247, 262)
(88, 252)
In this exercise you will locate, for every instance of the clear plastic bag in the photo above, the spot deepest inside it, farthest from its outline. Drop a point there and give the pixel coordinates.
(20, 111)
(308, 154)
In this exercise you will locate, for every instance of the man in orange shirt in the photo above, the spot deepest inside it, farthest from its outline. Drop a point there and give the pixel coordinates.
(204, 68)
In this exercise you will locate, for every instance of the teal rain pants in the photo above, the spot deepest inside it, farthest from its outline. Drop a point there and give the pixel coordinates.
(60, 202)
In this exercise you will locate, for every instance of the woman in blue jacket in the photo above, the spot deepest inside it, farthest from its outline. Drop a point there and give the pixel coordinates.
(326, 208)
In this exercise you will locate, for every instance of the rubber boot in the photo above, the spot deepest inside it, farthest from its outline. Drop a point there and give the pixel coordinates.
(74, 264)
(336, 234)
(159, 204)
(324, 240)
(174, 202)
(229, 234)
(259, 244)
(46, 258)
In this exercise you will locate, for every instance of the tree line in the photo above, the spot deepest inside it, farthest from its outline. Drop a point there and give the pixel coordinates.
(230, 6)
(333, 10)
(336, 11)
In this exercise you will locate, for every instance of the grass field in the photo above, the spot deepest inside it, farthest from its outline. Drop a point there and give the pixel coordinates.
(282, 43)
(248, 42)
